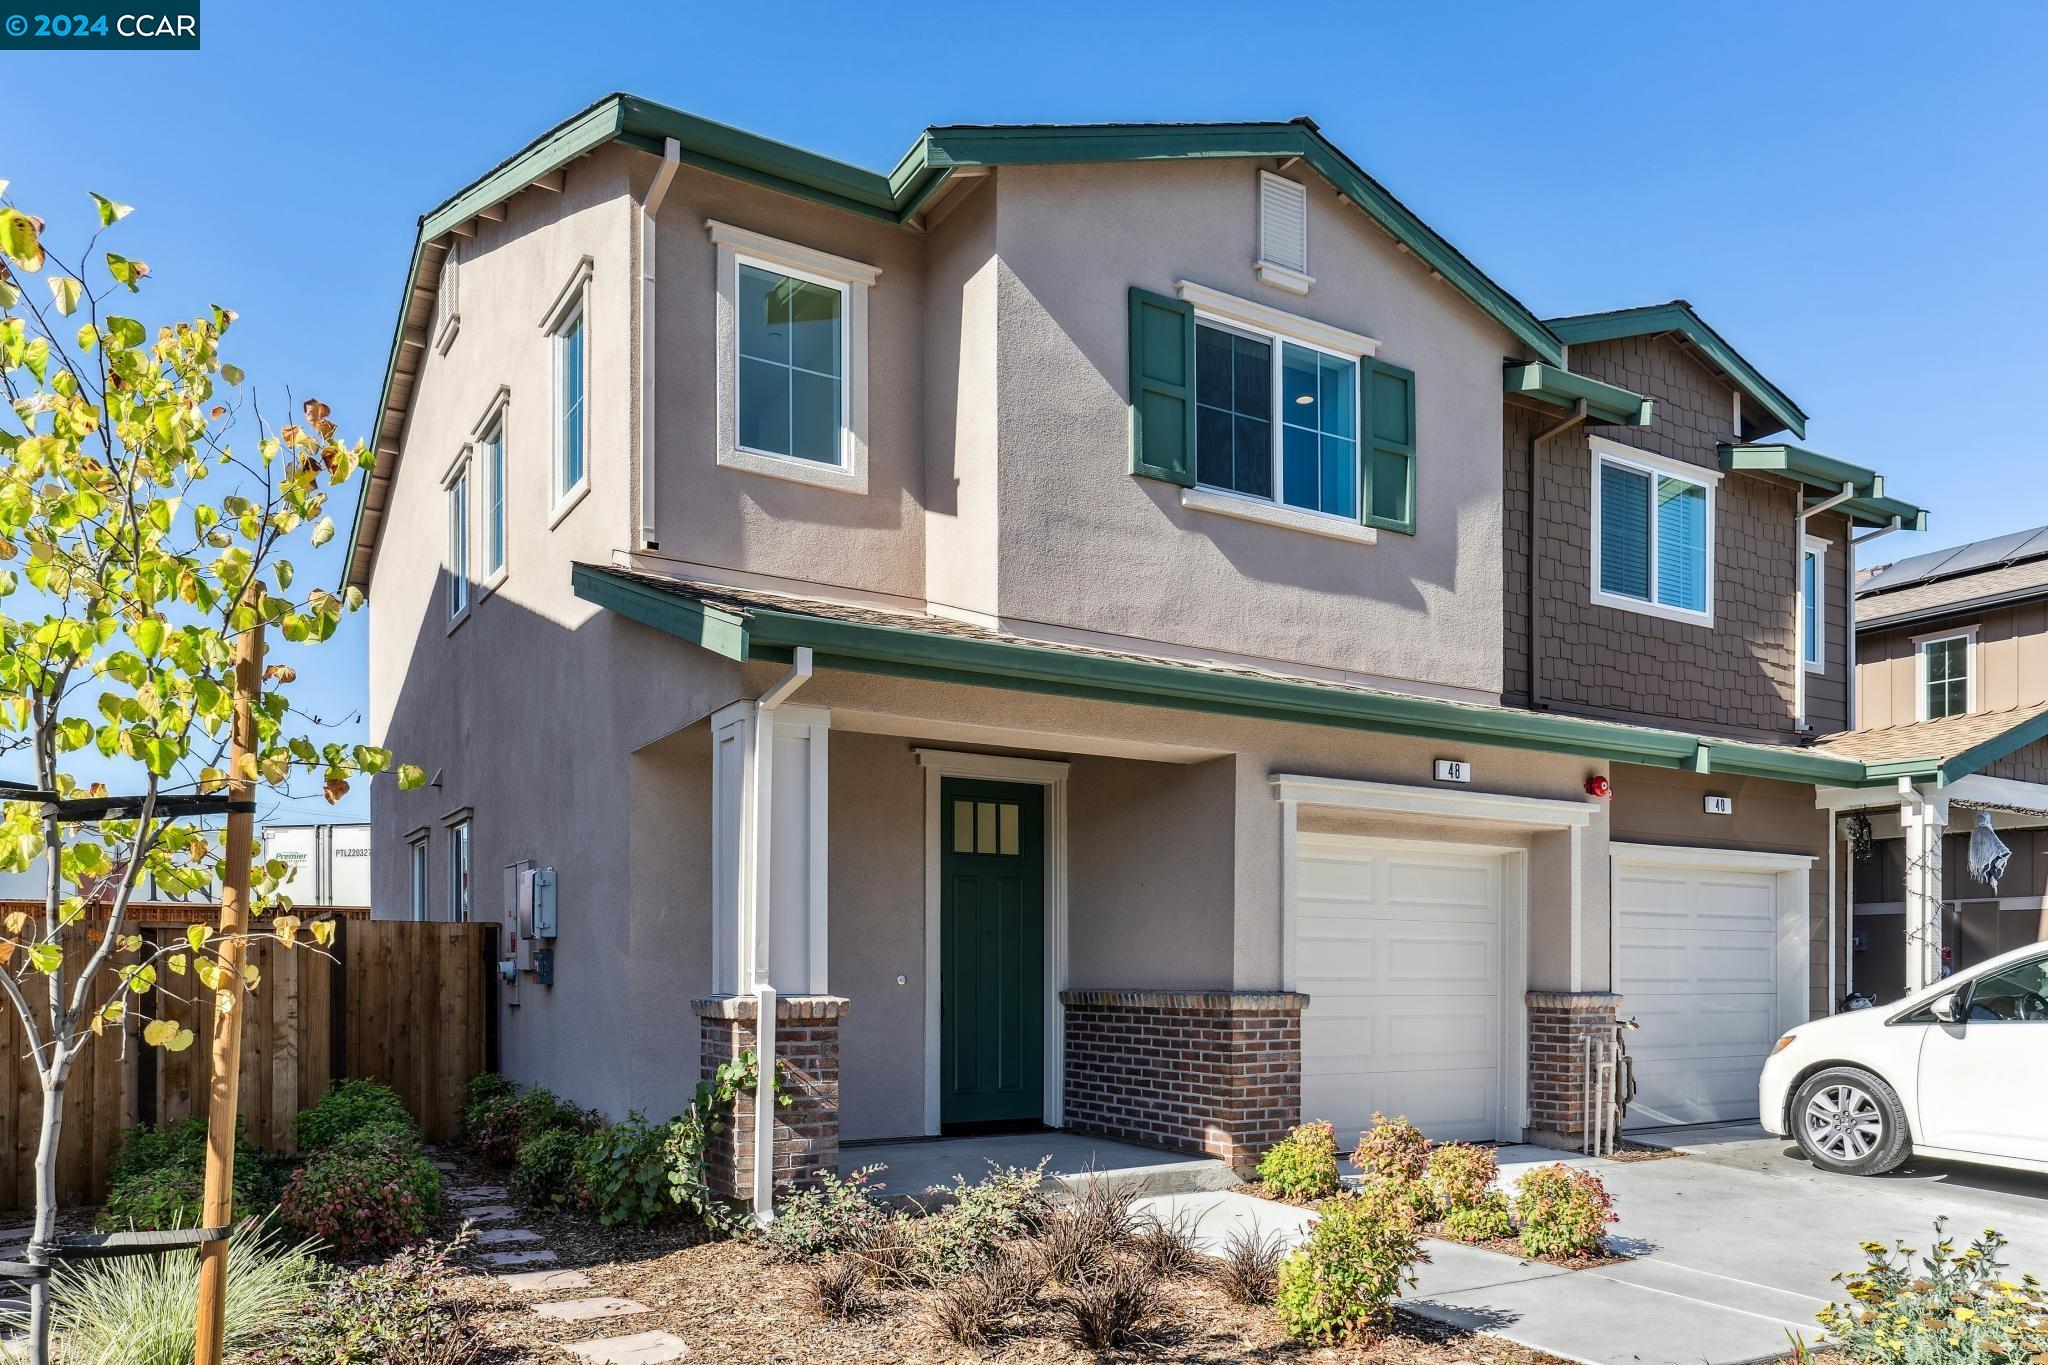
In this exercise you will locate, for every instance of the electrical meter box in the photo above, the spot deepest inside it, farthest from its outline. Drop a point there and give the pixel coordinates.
(543, 923)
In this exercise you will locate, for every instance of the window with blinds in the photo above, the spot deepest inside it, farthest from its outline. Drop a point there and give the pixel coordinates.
(1653, 540)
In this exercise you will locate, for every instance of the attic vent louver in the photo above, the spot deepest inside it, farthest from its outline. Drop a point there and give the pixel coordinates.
(447, 312)
(1283, 233)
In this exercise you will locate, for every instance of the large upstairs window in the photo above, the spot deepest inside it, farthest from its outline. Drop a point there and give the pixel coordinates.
(1653, 534)
(1249, 387)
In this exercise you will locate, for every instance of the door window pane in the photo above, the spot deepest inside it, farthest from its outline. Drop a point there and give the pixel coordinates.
(792, 369)
(2018, 993)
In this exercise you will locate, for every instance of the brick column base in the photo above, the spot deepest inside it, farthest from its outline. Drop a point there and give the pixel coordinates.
(1215, 1072)
(1559, 1023)
(807, 1050)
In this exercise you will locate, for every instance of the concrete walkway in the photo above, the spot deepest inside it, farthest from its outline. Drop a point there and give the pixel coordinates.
(920, 1165)
(1733, 1247)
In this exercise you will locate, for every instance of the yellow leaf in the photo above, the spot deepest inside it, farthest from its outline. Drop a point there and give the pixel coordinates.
(212, 779)
(181, 1042)
(176, 962)
(287, 927)
(251, 975)
(65, 291)
(323, 932)
(159, 1032)
(17, 921)
(195, 935)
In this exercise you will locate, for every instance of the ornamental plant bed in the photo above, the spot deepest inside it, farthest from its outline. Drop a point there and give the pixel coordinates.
(1509, 1246)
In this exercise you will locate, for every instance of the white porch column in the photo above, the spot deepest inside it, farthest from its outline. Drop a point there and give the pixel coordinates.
(769, 825)
(1923, 818)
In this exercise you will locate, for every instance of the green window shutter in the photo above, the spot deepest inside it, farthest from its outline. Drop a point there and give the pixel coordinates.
(1162, 387)
(1389, 403)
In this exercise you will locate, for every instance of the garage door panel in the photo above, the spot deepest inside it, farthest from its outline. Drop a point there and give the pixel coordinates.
(1696, 962)
(1400, 955)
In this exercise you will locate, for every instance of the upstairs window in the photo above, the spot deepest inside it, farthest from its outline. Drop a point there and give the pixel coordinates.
(458, 872)
(567, 326)
(417, 858)
(1653, 534)
(1247, 387)
(458, 543)
(792, 371)
(1947, 682)
(1813, 577)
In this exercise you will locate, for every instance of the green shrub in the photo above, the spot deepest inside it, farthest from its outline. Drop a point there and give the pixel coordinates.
(837, 1215)
(364, 1195)
(1341, 1282)
(1485, 1221)
(1562, 1212)
(546, 1175)
(964, 1235)
(393, 1312)
(1393, 1151)
(622, 1170)
(1460, 1176)
(686, 1150)
(159, 1178)
(1303, 1165)
(137, 1310)
(503, 1123)
(348, 1107)
(483, 1090)
(1946, 1308)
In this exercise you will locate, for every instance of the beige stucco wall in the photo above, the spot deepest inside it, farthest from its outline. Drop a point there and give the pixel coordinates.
(1083, 544)
(2011, 660)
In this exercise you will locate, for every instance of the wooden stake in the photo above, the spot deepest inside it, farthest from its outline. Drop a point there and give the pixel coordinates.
(224, 1098)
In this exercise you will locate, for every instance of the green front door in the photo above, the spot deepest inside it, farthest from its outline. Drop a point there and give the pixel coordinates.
(992, 953)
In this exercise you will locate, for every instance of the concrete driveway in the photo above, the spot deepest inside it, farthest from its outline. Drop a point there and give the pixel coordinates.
(1736, 1243)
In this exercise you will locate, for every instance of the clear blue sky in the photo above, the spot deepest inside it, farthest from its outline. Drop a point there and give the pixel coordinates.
(1856, 195)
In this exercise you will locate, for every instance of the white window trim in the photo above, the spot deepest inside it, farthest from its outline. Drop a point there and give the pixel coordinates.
(461, 838)
(457, 473)
(1818, 548)
(853, 279)
(1274, 327)
(419, 872)
(1968, 634)
(1652, 464)
(498, 415)
(572, 302)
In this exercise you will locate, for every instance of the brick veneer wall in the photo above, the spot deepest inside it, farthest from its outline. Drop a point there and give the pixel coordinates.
(1559, 1022)
(807, 1051)
(1215, 1072)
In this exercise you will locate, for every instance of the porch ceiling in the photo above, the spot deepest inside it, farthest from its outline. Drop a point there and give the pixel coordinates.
(745, 623)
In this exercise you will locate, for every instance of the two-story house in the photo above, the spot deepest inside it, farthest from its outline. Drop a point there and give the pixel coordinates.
(1114, 627)
(1959, 638)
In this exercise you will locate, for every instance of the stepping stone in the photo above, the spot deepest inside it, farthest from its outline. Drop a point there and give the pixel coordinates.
(583, 1310)
(502, 1258)
(497, 1237)
(642, 1348)
(544, 1281)
(478, 1194)
(20, 1234)
(442, 1165)
(489, 1213)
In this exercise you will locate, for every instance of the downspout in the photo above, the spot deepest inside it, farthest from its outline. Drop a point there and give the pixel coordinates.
(1820, 626)
(664, 175)
(1535, 501)
(761, 857)
(1854, 542)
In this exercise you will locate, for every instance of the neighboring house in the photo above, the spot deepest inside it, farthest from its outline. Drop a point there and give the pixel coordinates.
(1960, 637)
(1117, 627)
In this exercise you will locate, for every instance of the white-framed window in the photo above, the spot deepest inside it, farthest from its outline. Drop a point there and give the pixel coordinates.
(447, 312)
(1653, 533)
(793, 363)
(1813, 605)
(416, 857)
(1283, 234)
(457, 487)
(458, 872)
(488, 445)
(1945, 666)
(568, 328)
(1276, 416)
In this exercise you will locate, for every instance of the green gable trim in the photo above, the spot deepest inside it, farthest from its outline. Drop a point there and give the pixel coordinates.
(1825, 475)
(769, 635)
(719, 631)
(1609, 403)
(1678, 316)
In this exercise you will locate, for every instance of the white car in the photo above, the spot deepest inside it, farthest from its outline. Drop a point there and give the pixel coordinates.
(1957, 1070)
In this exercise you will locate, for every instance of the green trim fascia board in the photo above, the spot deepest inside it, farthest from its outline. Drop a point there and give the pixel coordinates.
(719, 631)
(1825, 474)
(1678, 316)
(857, 646)
(1604, 402)
(1991, 750)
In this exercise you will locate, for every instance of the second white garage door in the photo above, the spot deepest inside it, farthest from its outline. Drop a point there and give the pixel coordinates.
(1399, 948)
(1696, 959)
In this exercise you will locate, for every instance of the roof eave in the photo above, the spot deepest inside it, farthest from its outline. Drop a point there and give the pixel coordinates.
(1826, 475)
(1607, 403)
(1678, 316)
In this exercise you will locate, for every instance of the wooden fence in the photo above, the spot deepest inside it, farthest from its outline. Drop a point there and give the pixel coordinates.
(411, 1005)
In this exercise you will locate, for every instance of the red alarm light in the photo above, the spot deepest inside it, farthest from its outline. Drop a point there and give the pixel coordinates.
(1598, 785)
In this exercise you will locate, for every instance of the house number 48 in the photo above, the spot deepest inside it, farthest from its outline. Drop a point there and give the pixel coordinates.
(1453, 770)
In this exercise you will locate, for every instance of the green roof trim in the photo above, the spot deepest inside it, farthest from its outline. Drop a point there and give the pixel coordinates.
(1825, 475)
(1609, 403)
(899, 194)
(763, 633)
(1943, 771)
(1678, 316)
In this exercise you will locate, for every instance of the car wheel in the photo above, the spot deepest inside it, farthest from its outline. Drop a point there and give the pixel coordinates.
(1848, 1120)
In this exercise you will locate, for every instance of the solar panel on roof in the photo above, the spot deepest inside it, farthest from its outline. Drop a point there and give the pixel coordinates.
(1958, 559)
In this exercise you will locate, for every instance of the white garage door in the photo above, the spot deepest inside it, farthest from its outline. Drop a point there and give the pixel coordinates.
(1399, 949)
(1696, 962)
